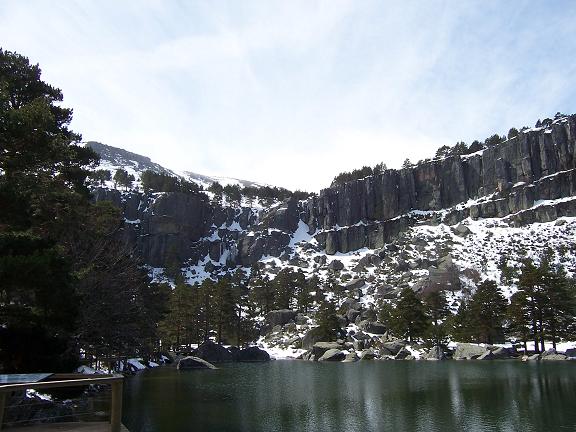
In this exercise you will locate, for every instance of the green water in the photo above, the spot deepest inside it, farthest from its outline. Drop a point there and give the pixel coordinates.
(365, 396)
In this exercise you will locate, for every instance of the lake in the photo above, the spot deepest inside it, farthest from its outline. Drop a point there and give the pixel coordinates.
(364, 396)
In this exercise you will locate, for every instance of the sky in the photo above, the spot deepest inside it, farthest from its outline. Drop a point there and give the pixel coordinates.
(291, 93)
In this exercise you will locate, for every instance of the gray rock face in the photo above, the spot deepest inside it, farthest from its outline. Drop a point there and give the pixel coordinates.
(350, 357)
(333, 354)
(552, 355)
(393, 347)
(311, 337)
(372, 327)
(466, 351)
(435, 353)
(320, 348)
(335, 265)
(213, 353)
(280, 317)
(368, 354)
(364, 210)
(252, 354)
(403, 354)
(191, 362)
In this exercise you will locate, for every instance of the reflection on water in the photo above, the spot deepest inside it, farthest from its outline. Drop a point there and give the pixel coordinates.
(366, 396)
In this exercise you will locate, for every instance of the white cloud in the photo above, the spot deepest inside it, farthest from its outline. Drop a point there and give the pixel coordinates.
(291, 93)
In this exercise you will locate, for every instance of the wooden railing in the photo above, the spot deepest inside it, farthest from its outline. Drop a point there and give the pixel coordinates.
(73, 380)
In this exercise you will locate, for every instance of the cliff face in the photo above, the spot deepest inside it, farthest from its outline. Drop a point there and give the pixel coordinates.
(177, 228)
(528, 178)
(496, 182)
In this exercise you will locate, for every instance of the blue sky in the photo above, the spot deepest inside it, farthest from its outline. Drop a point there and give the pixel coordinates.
(293, 92)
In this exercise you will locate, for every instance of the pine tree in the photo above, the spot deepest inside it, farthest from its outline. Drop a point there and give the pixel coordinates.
(409, 317)
(304, 296)
(519, 318)
(262, 293)
(176, 327)
(327, 321)
(437, 309)
(488, 312)
(461, 323)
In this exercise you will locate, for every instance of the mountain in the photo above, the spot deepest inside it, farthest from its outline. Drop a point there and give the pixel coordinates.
(113, 158)
(446, 224)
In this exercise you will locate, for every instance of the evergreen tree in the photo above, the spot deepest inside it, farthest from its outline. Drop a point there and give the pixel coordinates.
(122, 178)
(224, 309)
(262, 293)
(461, 323)
(329, 327)
(304, 292)
(488, 312)
(100, 176)
(519, 318)
(286, 284)
(437, 309)
(206, 312)
(177, 325)
(409, 317)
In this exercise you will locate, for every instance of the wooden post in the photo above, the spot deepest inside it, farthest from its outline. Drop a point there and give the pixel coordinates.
(3, 396)
(116, 408)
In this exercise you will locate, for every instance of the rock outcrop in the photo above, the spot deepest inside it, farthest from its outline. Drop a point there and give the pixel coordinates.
(191, 362)
(213, 353)
(530, 177)
(252, 354)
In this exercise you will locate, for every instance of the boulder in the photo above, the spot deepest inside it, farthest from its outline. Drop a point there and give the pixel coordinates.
(571, 352)
(354, 284)
(403, 354)
(488, 355)
(351, 303)
(435, 353)
(368, 354)
(312, 336)
(333, 354)
(194, 363)
(461, 230)
(551, 354)
(393, 347)
(252, 354)
(320, 348)
(336, 265)
(467, 351)
(350, 357)
(280, 317)
(352, 314)
(502, 353)
(213, 353)
(372, 327)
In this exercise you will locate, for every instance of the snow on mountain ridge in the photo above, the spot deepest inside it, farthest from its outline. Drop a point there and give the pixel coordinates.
(113, 158)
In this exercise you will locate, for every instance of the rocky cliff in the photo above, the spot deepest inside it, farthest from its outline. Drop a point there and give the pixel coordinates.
(175, 229)
(531, 177)
(510, 178)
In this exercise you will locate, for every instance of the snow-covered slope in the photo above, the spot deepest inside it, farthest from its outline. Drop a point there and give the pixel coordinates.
(113, 158)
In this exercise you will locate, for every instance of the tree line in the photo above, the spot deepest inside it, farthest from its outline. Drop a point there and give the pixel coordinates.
(234, 193)
(542, 309)
(459, 149)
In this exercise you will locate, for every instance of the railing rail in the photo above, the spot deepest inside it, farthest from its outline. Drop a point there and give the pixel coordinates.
(73, 380)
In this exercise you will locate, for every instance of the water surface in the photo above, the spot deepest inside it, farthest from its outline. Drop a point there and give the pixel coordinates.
(365, 396)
